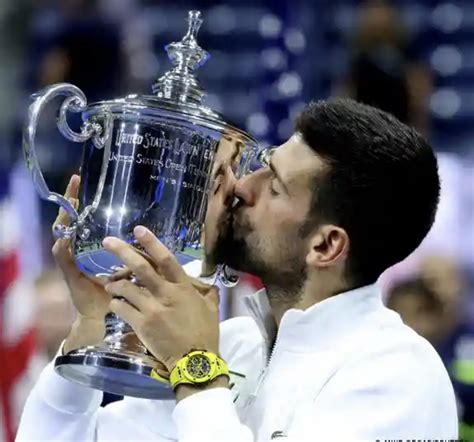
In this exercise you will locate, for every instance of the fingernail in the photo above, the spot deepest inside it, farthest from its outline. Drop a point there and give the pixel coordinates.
(107, 241)
(139, 231)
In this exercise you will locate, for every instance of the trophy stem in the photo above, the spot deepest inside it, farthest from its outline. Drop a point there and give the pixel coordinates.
(116, 331)
(121, 364)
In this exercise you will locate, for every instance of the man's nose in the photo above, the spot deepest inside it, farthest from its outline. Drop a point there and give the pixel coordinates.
(244, 189)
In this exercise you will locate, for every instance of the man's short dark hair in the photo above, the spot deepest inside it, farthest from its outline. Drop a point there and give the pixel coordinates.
(381, 186)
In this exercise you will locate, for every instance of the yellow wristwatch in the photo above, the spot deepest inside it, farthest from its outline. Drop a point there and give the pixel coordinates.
(199, 367)
(157, 376)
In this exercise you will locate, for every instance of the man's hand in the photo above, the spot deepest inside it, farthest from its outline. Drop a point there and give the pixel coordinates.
(218, 218)
(169, 312)
(88, 294)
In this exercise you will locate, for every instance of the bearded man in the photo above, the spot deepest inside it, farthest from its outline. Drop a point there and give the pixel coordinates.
(351, 193)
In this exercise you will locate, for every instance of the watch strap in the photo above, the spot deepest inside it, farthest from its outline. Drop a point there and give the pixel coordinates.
(155, 375)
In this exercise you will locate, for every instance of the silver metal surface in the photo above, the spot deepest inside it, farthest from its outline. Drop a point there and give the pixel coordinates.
(113, 372)
(29, 134)
(147, 160)
(180, 84)
(75, 101)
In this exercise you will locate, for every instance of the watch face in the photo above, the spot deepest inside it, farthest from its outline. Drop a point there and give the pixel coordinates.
(198, 366)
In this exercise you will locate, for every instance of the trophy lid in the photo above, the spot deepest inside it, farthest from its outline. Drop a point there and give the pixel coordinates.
(180, 83)
(177, 94)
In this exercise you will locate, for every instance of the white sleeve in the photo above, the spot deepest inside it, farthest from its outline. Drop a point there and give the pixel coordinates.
(59, 410)
(209, 416)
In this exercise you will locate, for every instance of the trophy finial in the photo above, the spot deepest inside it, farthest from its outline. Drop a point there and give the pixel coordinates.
(180, 83)
(194, 23)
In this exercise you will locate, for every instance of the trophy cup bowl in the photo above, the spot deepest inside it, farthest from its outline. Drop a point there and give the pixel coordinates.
(147, 160)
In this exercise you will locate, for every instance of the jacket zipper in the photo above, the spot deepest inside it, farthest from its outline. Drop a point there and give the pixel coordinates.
(265, 369)
(251, 398)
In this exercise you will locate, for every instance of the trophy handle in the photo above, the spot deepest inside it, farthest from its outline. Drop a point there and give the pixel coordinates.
(75, 101)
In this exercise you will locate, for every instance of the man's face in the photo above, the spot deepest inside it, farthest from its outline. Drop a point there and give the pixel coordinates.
(265, 236)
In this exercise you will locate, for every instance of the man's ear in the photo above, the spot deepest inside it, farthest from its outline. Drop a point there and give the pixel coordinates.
(329, 247)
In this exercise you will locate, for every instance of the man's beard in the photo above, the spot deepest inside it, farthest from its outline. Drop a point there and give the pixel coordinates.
(286, 273)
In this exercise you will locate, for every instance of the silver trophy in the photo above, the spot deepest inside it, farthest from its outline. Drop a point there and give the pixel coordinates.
(147, 160)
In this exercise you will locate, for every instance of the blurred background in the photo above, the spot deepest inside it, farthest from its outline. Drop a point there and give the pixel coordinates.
(413, 58)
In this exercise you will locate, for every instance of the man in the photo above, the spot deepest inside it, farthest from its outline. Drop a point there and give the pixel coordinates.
(352, 192)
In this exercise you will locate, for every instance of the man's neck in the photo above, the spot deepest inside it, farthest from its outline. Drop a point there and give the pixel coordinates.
(280, 301)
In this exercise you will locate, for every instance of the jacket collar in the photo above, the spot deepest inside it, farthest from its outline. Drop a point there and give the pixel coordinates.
(319, 325)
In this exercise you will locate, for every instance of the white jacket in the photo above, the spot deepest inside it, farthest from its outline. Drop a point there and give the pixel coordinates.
(345, 369)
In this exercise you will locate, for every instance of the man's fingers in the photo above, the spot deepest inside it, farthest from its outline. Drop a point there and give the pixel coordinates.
(120, 274)
(128, 313)
(71, 194)
(137, 296)
(63, 217)
(72, 189)
(202, 287)
(165, 261)
(143, 270)
(213, 296)
(228, 186)
(63, 257)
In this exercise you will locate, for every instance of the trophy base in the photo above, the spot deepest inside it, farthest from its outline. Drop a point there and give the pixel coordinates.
(113, 372)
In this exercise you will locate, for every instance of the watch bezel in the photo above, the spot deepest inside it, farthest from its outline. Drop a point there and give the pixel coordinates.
(199, 380)
(180, 374)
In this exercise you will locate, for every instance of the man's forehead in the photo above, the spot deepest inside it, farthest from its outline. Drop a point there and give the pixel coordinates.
(295, 160)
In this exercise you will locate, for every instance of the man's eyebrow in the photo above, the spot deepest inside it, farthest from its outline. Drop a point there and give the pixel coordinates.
(272, 168)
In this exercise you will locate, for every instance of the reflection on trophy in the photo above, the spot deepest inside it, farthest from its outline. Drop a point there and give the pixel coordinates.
(147, 160)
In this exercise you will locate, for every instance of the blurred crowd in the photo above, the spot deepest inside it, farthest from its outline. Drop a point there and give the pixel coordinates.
(409, 58)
